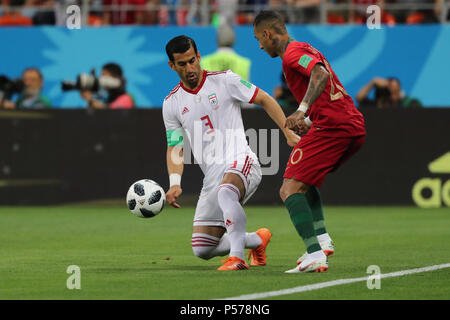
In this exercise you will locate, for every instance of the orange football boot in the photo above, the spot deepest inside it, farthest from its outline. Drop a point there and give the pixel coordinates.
(233, 263)
(259, 254)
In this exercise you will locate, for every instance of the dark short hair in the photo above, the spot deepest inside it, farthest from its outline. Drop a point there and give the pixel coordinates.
(114, 69)
(394, 79)
(180, 44)
(272, 19)
(35, 70)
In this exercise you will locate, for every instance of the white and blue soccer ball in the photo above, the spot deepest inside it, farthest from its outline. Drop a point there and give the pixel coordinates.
(146, 198)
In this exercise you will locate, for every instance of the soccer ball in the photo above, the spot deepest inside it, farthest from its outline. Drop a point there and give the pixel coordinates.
(146, 198)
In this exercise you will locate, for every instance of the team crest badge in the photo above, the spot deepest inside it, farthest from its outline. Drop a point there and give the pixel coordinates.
(213, 101)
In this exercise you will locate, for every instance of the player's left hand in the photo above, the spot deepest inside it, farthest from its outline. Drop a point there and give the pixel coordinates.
(291, 138)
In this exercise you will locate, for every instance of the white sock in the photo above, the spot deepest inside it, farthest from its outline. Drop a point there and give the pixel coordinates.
(316, 255)
(252, 241)
(323, 237)
(234, 216)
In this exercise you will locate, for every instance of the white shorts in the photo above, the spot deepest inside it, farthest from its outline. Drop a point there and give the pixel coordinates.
(208, 212)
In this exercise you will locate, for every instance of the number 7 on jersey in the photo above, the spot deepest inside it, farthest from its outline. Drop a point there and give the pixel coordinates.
(208, 123)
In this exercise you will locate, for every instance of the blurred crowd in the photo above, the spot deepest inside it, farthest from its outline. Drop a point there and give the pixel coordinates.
(109, 89)
(205, 12)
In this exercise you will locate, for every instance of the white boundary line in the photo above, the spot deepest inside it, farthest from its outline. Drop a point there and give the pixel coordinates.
(333, 283)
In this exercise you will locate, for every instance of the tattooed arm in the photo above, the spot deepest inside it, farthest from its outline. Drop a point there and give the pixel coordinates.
(317, 83)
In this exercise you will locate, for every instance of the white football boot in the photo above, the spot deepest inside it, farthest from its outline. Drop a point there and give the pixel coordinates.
(327, 248)
(312, 263)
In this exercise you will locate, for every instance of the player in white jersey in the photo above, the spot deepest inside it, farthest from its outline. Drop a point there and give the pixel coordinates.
(205, 108)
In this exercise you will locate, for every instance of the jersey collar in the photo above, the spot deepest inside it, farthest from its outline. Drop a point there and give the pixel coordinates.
(289, 41)
(199, 86)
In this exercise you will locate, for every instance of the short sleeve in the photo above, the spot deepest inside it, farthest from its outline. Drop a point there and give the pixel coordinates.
(301, 60)
(240, 89)
(122, 102)
(174, 131)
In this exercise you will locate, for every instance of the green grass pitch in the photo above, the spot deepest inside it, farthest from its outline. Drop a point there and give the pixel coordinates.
(124, 257)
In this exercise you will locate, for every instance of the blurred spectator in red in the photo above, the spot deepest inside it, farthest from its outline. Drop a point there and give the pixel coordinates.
(120, 15)
(12, 15)
(182, 12)
(358, 12)
(178, 12)
(163, 14)
(95, 15)
(337, 16)
(414, 14)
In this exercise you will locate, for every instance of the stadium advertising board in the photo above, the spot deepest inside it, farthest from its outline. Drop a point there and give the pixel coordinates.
(58, 156)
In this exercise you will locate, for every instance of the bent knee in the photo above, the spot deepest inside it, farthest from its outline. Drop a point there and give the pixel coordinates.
(203, 245)
(203, 252)
(291, 186)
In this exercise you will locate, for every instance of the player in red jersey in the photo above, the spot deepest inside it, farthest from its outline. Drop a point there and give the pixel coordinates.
(331, 133)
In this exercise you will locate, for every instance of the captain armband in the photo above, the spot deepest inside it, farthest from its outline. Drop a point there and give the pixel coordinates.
(174, 137)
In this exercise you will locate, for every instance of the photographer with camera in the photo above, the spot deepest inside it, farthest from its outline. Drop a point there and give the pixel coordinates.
(388, 94)
(111, 81)
(29, 89)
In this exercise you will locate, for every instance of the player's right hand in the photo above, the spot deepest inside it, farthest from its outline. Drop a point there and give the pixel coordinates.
(293, 119)
(302, 127)
(172, 196)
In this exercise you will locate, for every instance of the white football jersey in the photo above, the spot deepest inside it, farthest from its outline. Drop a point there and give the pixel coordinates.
(210, 118)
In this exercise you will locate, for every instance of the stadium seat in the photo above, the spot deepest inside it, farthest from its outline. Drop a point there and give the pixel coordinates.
(415, 18)
(335, 18)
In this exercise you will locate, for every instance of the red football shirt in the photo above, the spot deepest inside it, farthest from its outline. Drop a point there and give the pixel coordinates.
(333, 113)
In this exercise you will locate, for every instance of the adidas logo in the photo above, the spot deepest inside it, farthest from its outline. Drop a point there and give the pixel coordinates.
(432, 192)
(228, 223)
(184, 110)
(441, 164)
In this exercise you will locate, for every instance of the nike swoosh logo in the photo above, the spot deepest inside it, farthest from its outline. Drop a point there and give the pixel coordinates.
(303, 269)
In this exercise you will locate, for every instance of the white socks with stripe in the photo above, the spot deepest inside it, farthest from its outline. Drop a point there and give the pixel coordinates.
(234, 216)
(236, 239)
(206, 246)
